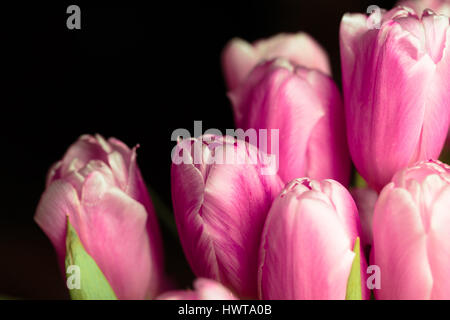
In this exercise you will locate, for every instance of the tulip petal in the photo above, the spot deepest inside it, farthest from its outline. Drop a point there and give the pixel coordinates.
(58, 201)
(53, 173)
(300, 48)
(400, 245)
(110, 214)
(210, 290)
(438, 6)
(439, 245)
(238, 59)
(204, 289)
(193, 233)
(327, 153)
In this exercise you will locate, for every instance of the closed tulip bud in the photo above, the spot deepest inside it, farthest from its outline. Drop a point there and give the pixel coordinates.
(239, 57)
(98, 186)
(220, 200)
(306, 107)
(438, 6)
(204, 289)
(307, 243)
(411, 233)
(396, 90)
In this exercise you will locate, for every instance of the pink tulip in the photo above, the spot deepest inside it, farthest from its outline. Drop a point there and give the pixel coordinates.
(220, 208)
(411, 233)
(438, 6)
(239, 57)
(99, 187)
(307, 243)
(306, 107)
(396, 90)
(204, 289)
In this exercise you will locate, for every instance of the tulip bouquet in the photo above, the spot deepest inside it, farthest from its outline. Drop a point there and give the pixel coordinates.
(312, 229)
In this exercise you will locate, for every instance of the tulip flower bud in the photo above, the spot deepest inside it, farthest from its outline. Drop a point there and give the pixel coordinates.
(204, 289)
(220, 200)
(239, 57)
(396, 90)
(307, 244)
(438, 6)
(411, 233)
(98, 185)
(305, 106)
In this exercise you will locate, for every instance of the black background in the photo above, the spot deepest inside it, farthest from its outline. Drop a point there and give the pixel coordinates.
(133, 72)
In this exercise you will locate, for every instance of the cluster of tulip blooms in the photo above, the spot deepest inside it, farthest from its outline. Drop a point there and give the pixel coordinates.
(295, 234)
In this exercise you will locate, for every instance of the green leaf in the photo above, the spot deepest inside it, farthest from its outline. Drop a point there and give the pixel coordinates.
(354, 280)
(85, 280)
(359, 181)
